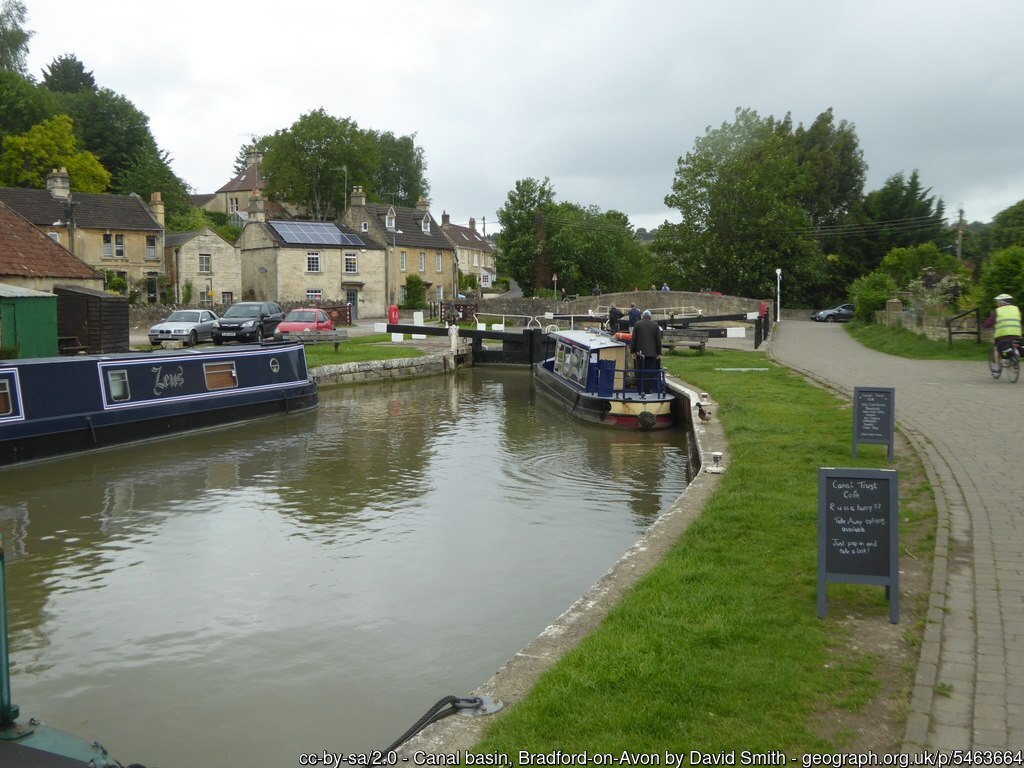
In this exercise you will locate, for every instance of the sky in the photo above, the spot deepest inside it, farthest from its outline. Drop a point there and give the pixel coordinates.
(603, 97)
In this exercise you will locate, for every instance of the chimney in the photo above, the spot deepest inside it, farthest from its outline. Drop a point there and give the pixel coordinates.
(58, 184)
(472, 224)
(358, 197)
(423, 205)
(445, 219)
(156, 205)
(255, 208)
(253, 157)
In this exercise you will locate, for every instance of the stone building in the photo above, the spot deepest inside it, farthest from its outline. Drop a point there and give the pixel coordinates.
(473, 250)
(207, 262)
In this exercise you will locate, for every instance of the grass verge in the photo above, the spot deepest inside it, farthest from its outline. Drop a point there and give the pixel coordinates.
(719, 648)
(359, 349)
(904, 343)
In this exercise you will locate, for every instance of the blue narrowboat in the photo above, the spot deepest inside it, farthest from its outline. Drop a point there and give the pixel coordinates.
(60, 405)
(590, 374)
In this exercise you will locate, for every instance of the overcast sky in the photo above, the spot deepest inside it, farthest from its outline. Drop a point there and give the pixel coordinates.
(603, 97)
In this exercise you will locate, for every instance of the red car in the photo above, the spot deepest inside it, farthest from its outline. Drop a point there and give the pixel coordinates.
(304, 320)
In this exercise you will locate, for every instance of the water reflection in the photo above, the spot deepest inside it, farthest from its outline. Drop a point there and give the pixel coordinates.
(341, 570)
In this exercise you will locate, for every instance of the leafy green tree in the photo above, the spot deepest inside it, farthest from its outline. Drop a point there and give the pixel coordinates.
(831, 157)
(520, 240)
(899, 215)
(870, 293)
(400, 175)
(588, 247)
(24, 104)
(27, 159)
(306, 164)
(1008, 227)
(904, 265)
(66, 74)
(14, 37)
(415, 292)
(1004, 273)
(152, 173)
(740, 194)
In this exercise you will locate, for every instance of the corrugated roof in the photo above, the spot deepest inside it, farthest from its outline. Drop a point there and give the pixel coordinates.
(27, 252)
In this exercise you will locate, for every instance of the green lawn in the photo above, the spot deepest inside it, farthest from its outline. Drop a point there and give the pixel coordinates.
(720, 648)
(904, 343)
(359, 349)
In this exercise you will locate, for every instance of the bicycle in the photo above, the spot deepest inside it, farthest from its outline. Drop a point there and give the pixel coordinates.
(1010, 360)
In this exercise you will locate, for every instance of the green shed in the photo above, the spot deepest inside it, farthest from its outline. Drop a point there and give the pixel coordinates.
(28, 322)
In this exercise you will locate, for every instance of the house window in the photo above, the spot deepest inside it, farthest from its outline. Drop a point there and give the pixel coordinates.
(365, 226)
(108, 247)
(476, 259)
(403, 260)
(389, 220)
(117, 383)
(118, 246)
(351, 264)
(55, 236)
(205, 263)
(440, 293)
(402, 294)
(227, 297)
(220, 375)
(150, 246)
(232, 205)
(314, 294)
(438, 261)
(423, 262)
(425, 226)
(312, 262)
(6, 408)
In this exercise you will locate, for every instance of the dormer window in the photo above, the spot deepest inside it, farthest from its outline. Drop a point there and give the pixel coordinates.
(426, 225)
(389, 221)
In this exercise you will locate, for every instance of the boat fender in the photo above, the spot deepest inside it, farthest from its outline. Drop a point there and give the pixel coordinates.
(623, 336)
(646, 419)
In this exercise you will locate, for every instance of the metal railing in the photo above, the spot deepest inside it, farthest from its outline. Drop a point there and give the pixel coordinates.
(977, 325)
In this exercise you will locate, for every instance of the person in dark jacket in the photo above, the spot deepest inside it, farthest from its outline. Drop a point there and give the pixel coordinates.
(646, 345)
(634, 316)
(614, 315)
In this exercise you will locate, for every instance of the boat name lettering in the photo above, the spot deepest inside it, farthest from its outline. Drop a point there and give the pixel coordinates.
(167, 380)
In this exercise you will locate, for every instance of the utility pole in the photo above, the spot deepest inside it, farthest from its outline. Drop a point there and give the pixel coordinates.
(960, 236)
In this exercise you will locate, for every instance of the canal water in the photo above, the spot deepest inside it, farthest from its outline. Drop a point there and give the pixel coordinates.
(313, 582)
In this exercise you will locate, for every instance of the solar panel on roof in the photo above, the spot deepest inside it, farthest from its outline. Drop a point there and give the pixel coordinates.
(319, 232)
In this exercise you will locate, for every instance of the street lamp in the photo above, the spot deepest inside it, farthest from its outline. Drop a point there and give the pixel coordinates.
(778, 293)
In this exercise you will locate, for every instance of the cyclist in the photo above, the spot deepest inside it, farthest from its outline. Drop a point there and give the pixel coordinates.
(1005, 318)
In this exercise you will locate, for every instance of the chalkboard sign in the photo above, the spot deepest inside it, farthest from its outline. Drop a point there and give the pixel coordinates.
(858, 531)
(874, 416)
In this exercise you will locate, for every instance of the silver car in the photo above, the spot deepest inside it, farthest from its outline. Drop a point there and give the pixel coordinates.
(189, 326)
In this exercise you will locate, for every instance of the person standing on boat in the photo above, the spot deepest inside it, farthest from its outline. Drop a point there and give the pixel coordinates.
(646, 345)
(634, 316)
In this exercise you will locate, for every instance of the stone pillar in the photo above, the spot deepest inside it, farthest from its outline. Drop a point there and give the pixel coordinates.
(894, 313)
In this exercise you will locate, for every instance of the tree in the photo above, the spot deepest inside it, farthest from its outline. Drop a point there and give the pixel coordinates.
(400, 175)
(1004, 273)
(66, 74)
(905, 265)
(24, 104)
(520, 239)
(14, 37)
(28, 158)
(587, 247)
(870, 293)
(741, 194)
(899, 215)
(150, 173)
(1008, 227)
(307, 163)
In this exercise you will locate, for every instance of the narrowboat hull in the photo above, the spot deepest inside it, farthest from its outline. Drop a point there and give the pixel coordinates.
(588, 377)
(55, 406)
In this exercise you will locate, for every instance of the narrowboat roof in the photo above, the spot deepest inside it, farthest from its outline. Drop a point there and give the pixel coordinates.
(233, 350)
(591, 339)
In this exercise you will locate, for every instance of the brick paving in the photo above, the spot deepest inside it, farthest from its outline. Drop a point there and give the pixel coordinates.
(969, 690)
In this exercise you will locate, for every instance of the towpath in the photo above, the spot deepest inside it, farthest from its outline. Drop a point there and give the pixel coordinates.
(969, 690)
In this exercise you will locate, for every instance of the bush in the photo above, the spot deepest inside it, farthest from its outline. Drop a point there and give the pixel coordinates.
(869, 294)
(415, 293)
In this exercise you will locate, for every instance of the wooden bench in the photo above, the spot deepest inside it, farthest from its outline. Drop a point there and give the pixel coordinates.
(316, 337)
(684, 337)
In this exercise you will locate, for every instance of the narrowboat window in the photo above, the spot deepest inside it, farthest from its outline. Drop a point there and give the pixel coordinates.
(118, 383)
(220, 375)
(6, 407)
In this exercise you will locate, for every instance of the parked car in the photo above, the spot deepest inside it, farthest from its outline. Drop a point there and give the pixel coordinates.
(304, 319)
(248, 321)
(840, 314)
(189, 326)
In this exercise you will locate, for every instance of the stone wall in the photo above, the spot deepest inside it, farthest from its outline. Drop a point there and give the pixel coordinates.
(385, 370)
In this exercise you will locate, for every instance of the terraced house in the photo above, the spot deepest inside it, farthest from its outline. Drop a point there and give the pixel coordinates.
(116, 233)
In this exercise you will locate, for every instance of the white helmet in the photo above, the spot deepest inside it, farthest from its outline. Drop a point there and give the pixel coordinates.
(1004, 297)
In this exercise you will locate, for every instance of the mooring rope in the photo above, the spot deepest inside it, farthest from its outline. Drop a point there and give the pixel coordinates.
(435, 713)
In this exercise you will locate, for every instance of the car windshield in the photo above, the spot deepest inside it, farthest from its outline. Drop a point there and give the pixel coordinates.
(183, 317)
(300, 316)
(243, 310)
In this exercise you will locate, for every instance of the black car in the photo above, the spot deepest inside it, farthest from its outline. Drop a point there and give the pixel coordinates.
(248, 321)
(840, 314)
